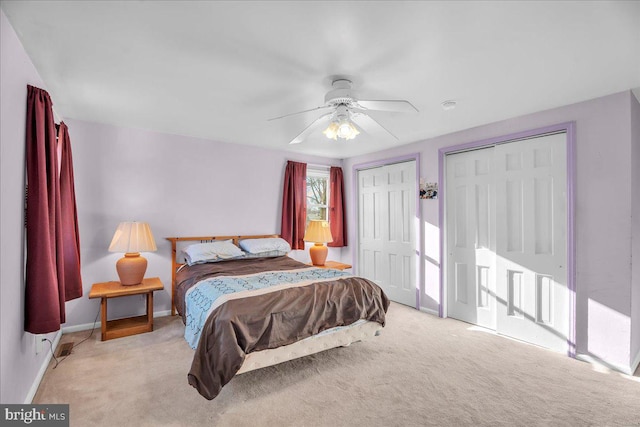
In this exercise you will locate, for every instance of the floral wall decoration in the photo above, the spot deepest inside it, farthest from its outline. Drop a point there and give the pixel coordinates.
(428, 190)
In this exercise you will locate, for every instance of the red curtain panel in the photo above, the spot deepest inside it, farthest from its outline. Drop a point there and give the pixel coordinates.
(337, 211)
(44, 298)
(69, 219)
(294, 204)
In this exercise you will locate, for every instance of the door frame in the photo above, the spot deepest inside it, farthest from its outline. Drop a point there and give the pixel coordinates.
(418, 230)
(569, 129)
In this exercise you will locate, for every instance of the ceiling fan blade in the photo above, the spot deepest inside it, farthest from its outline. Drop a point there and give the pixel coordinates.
(370, 126)
(300, 112)
(317, 123)
(389, 105)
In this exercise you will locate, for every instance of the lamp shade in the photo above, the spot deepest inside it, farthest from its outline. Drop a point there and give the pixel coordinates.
(132, 237)
(318, 231)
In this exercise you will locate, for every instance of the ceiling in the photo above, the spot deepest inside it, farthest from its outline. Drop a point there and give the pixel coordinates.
(219, 70)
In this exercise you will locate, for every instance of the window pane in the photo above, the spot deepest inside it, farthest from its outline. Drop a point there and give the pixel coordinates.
(316, 212)
(317, 190)
(317, 196)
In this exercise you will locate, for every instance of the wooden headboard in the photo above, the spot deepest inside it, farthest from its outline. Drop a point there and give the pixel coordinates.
(175, 264)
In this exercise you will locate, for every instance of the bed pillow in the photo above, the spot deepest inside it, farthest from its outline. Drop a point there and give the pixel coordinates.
(211, 252)
(266, 245)
(267, 254)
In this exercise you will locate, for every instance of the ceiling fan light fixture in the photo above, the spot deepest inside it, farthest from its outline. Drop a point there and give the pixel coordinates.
(347, 130)
(348, 114)
(331, 131)
(343, 129)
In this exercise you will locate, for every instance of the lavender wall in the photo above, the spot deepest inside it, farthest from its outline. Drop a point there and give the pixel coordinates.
(603, 219)
(635, 215)
(19, 364)
(181, 186)
(136, 174)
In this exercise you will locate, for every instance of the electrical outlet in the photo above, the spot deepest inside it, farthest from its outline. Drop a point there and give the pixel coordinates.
(39, 343)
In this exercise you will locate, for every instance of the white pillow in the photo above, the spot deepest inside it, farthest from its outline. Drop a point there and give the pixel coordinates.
(258, 246)
(211, 252)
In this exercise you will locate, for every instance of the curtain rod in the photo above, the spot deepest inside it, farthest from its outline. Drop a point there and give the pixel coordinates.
(312, 165)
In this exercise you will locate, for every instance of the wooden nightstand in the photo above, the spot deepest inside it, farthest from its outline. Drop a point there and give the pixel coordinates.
(130, 325)
(333, 264)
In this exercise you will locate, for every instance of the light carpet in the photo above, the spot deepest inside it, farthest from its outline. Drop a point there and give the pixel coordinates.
(421, 371)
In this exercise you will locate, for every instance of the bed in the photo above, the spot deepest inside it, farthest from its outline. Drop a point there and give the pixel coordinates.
(261, 308)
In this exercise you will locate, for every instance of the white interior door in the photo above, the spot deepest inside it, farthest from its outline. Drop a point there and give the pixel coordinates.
(471, 265)
(371, 192)
(386, 229)
(506, 218)
(532, 242)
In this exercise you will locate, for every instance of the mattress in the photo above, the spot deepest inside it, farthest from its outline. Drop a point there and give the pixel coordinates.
(341, 336)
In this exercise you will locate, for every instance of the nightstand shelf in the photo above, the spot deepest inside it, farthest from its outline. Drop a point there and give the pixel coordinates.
(129, 325)
(333, 264)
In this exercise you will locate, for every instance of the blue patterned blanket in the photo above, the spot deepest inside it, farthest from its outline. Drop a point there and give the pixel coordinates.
(201, 299)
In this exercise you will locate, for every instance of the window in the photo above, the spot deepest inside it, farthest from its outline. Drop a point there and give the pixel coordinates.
(317, 195)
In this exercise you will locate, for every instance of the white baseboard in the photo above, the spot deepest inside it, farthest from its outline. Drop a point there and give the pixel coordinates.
(606, 366)
(636, 363)
(78, 328)
(36, 382)
(88, 326)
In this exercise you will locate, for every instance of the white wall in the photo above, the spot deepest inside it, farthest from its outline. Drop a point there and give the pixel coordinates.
(19, 364)
(635, 215)
(181, 186)
(603, 219)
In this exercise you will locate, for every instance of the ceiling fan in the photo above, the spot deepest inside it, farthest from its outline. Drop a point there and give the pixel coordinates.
(347, 115)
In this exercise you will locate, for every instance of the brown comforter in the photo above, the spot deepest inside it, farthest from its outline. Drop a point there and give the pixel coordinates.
(254, 323)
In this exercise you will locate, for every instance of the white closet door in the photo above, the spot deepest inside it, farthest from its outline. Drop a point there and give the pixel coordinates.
(506, 218)
(372, 191)
(387, 224)
(533, 299)
(470, 198)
